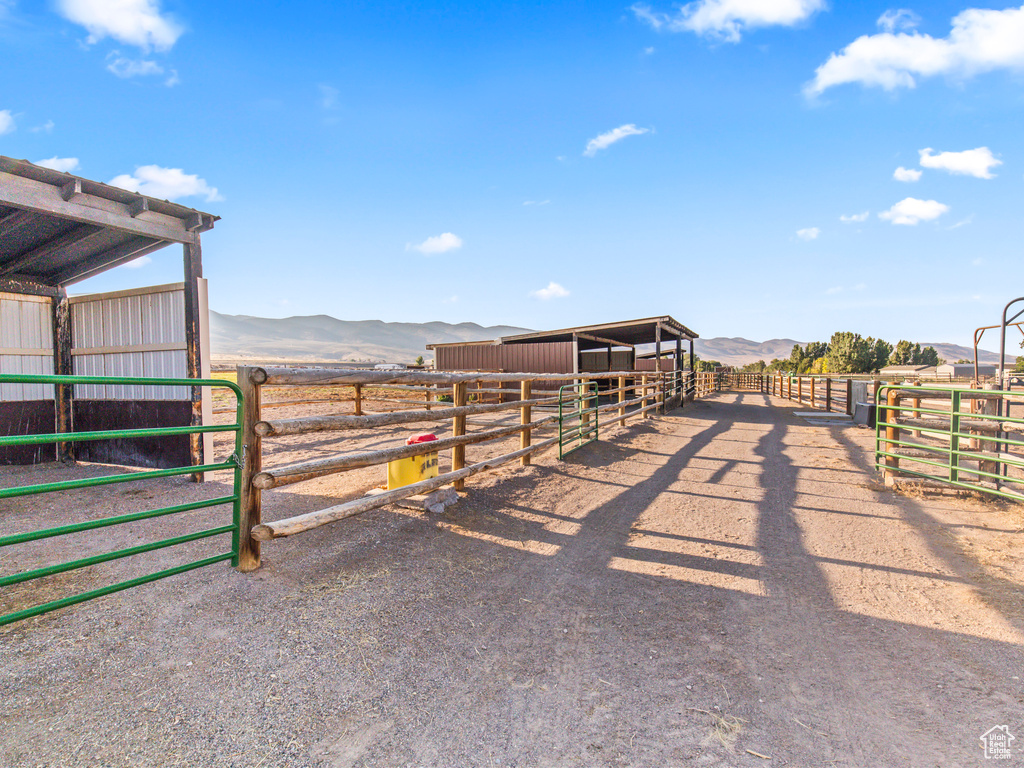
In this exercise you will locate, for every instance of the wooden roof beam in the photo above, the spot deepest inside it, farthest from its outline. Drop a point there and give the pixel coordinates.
(42, 198)
(601, 340)
(54, 245)
(115, 257)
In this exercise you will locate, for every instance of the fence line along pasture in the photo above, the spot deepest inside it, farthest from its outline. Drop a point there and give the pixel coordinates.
(627, 394)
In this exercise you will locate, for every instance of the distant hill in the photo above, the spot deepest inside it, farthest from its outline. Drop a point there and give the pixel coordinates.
(327, 339)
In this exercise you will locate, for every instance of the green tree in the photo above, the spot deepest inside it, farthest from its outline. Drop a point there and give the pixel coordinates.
(1019, 367)
(903, 354)
(848, 353)
(419, 360)
(929, 356)
(880, 352)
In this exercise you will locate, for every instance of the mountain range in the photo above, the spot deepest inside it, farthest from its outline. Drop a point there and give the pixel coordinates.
(322, 338)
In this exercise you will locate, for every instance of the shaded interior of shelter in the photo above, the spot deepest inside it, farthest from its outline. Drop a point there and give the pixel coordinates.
(56, 230)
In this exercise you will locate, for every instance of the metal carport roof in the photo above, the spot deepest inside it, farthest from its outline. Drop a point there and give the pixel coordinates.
(57, 229)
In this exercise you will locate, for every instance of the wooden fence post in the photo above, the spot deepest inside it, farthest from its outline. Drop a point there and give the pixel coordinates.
(916, 414)
(849, 397)
(814, 385)
(428, 395)
(251, 502)
(643, 394)
(828, 395)
(525, 389)
(800, 390)
(458, 429)
(622, 398)
(358, 399)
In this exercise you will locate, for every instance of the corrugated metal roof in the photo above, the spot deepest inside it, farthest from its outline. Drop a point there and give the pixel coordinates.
(57, 228)
(626, 332)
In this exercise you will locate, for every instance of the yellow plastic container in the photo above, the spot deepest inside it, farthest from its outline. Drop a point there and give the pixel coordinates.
(403, 472)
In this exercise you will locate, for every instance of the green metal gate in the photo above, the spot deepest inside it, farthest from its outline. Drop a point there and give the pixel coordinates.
(577, 417)
(233, 463)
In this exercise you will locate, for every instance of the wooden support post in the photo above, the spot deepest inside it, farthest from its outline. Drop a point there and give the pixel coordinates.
(892, 434)
(525, 392)
(849, 397)
(663, 383)
(358, 399)
(800, 390)
(62, 366)
(814, 385)
(459, 429)
(252, 463)
(643, 394)
(428, 395)
(193, 263)
(622, 398)
(828, 395)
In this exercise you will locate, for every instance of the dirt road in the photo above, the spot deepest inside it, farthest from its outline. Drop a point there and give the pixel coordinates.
(725, 585)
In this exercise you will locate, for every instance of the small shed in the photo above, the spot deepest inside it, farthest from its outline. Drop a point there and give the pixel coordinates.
(966, 370)
(56, 230)
(583, 349)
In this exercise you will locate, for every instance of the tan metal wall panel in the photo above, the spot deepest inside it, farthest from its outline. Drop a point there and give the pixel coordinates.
(156, 317)
(26, 323)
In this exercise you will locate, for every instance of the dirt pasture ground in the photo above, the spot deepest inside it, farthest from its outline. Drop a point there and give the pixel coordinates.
(724, 585)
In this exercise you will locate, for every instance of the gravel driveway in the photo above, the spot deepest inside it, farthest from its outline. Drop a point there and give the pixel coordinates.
(725, 585)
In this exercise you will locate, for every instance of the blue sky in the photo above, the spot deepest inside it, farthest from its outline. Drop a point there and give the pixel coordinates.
(545, 165)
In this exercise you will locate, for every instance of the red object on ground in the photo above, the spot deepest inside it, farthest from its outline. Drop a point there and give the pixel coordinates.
(424, 438)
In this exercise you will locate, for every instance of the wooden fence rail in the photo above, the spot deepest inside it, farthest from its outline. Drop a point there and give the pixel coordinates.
(629, 394)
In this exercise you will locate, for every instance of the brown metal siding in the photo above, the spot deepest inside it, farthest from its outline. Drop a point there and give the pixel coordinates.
(596, 360)
(511, 358)
(647, 364)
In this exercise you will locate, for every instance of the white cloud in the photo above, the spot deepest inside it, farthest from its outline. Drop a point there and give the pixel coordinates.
(977, 261)
(971, 162)
(438, 244)
(649, 50)
(140, 262)
(962, 222)
(727, 19)
(46, 127)
(172, 79)
(166, 183)
(328, 96)
(808, 234)
(834, 290)
(124, 67)
(981, 40)
(536, 202)
(133, 22)
(906, 174)
(553, 291)
(910, 211)
(6, 122)
(854, 217)
(605, 140)
(900, 19)
(63, 164)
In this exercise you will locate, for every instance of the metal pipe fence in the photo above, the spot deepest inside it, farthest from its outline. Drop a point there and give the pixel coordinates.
(967, 444)
(233, 463)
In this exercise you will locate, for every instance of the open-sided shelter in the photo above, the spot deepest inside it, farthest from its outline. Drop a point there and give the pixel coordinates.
(584, 349)
(57, 229)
